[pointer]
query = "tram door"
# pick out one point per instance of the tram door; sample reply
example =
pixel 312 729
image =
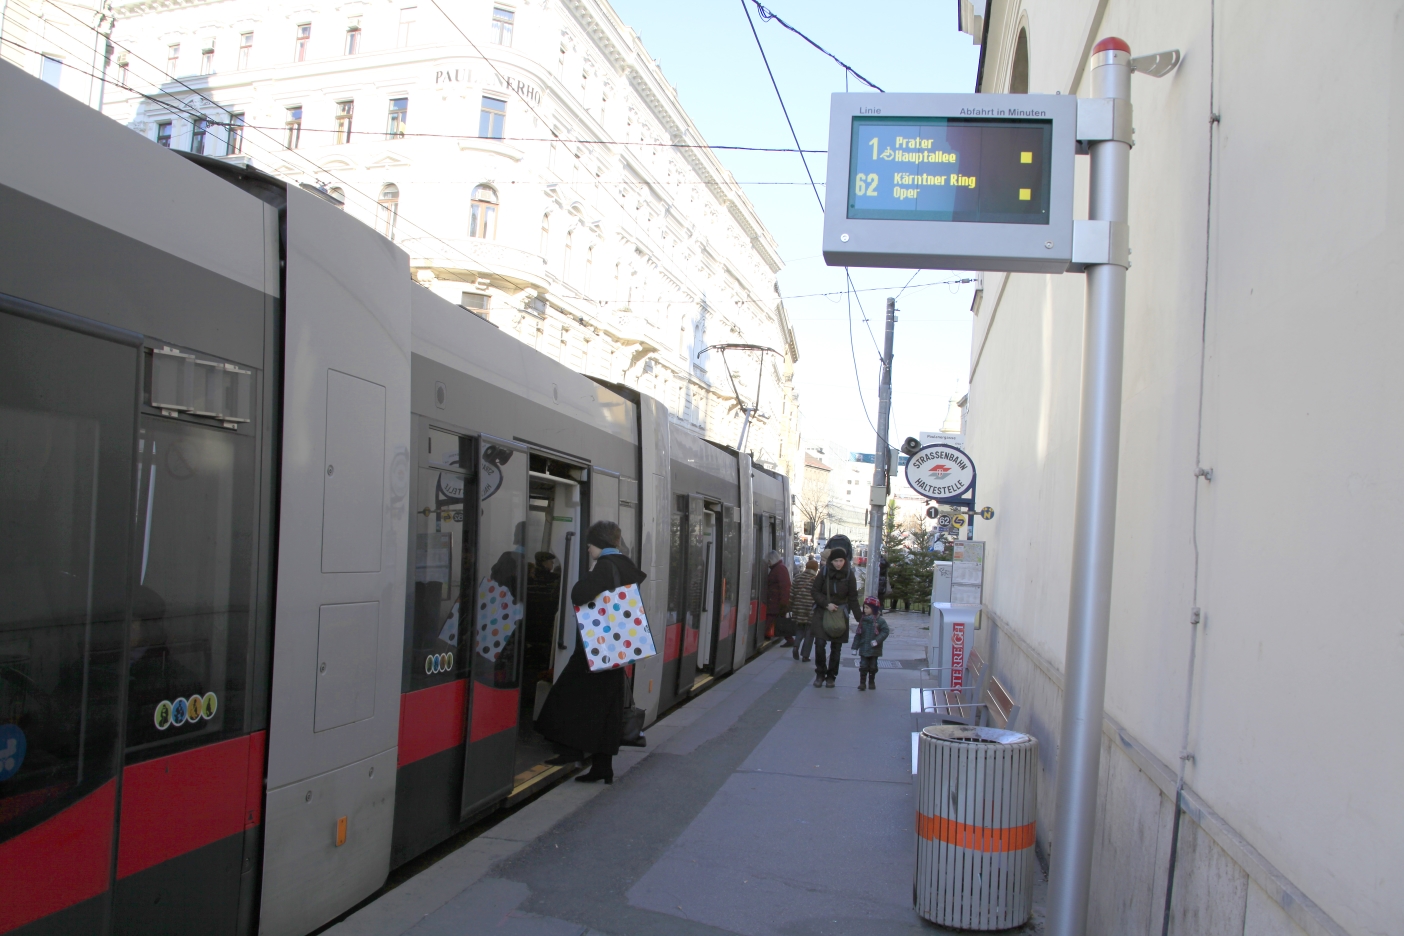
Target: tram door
pixel 127 598
pixel 496 593
pixel 553 546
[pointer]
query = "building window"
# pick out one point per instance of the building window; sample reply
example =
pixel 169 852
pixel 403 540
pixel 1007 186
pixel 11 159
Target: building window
pixel 294 127
pixel 483 220
pixel 344 111
pixel 235 144
pixel 353 36
pixel 399 117
pixel 502 25
pixel 589 267
pixel 51 70
pixel 207 58
pixel 304 36
pixel 172 58
pixel 492 121
pixel 407 17
pixel 545 234
pixel 475 302
pixel 199 129
pixel 163 133
pixel 568 254
pixel 245 49
pixel 389 210
pixel 123 73
pixel 338 196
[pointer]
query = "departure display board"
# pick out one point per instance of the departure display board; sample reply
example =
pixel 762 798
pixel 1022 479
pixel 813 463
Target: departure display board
pixel 951 181
pixel 970 169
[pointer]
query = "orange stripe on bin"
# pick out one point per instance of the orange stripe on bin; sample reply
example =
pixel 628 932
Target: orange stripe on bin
pixel 973 837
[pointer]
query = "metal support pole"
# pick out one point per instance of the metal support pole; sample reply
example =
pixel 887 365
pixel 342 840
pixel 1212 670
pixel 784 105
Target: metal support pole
pixel 1084 688
pixel 880 456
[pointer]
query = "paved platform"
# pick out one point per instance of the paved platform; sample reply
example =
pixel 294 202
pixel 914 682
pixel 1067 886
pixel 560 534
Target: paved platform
pixel 765 807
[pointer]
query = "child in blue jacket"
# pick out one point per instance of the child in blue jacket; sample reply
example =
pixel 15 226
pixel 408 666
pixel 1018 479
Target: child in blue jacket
pixel 868 638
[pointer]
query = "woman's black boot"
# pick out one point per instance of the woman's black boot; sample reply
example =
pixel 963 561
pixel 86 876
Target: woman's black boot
pixel 601 768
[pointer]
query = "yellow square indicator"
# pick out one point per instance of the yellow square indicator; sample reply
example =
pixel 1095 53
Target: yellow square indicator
pixel 1026 157
pixel 1025 194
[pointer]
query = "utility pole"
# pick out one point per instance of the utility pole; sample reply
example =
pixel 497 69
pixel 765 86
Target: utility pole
pixel 878 497
pixel 1094 525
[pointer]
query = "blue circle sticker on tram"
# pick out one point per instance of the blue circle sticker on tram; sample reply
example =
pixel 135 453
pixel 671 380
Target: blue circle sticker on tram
pixel 12 747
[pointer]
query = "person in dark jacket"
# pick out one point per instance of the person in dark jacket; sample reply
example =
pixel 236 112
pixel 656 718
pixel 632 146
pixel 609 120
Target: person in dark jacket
pixel 868 637
pixel 585 711
pixel 777 598
pixel 835 589
pixel 802 607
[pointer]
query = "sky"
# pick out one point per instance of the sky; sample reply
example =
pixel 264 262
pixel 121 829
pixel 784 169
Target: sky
pixel 707 51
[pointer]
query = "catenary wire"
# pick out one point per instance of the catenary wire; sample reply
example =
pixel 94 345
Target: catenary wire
pixel 768 15
pixel 783 109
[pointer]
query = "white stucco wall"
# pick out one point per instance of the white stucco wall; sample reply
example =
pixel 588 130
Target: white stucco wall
pixel 1301 657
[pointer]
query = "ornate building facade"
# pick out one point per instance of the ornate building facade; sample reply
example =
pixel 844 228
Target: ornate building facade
pixel 531 158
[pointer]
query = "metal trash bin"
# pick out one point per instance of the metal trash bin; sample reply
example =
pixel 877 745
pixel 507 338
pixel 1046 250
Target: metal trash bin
pixel 977 801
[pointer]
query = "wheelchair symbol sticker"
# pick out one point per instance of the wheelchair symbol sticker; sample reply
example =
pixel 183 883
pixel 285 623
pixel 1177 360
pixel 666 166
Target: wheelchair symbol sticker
pixel 178 713
pixel 12 748
pixel 162 716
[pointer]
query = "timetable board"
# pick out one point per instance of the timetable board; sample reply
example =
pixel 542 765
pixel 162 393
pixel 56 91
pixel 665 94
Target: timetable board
pixel 951 181
pixel 950 169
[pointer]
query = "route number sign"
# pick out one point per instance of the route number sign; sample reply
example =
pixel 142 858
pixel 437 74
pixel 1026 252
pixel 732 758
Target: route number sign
pixel 951 181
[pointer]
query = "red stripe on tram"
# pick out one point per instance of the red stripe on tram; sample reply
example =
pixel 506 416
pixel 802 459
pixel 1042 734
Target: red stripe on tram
pixel 431 720
pixel 176 804
pixel 60 862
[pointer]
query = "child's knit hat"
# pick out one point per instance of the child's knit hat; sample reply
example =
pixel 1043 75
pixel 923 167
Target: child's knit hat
pixel 874 602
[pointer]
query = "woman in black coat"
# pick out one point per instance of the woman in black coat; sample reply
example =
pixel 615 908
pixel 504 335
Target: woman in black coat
pixel 835 588
pixel 585 711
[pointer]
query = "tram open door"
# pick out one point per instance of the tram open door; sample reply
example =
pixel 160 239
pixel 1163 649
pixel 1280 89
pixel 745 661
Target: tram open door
pixel 553 551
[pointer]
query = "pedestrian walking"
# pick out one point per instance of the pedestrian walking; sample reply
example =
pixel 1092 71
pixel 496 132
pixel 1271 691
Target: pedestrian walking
pixel 777 598
pixel 835 595
pixel 585 711
pixel 869 634
pixel 802 607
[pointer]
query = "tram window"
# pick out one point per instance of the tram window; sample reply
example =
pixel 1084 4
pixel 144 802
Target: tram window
pixel 444 537
pixel 500 592
pixel 194 582
pixel 65 512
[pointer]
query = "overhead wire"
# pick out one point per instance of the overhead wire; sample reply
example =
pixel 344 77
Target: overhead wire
pixel 783 109
pixel 769 15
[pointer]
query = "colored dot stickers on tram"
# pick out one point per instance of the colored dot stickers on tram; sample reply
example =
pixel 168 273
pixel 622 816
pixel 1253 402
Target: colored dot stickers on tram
pixel 185 711
pixel 498 616
pixel 614 629
pixel 12 748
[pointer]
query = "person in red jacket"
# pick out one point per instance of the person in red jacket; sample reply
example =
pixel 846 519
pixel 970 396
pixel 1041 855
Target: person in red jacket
pixel 777 599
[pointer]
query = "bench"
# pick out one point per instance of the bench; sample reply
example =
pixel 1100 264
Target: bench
pixel 946 704
pixel 981 700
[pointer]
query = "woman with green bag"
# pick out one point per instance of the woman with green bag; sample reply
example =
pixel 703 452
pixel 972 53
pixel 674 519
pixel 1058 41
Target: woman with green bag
pixel 835 595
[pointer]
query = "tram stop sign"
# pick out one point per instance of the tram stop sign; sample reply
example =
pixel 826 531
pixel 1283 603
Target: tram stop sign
pixel 951 181
pixel 941 473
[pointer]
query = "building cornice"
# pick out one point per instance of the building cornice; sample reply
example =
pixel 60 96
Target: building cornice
pixel 648 82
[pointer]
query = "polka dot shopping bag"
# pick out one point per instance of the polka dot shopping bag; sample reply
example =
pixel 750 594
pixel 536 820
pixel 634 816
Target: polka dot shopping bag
pixel 614 629
pixel 498 615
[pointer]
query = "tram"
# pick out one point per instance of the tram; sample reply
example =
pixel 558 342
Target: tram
pixel 286 542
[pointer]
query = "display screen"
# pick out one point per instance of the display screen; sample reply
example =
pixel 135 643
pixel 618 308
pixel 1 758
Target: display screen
pixel 988 170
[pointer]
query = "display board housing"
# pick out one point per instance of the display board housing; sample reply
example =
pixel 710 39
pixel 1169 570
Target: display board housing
pixel 951 181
